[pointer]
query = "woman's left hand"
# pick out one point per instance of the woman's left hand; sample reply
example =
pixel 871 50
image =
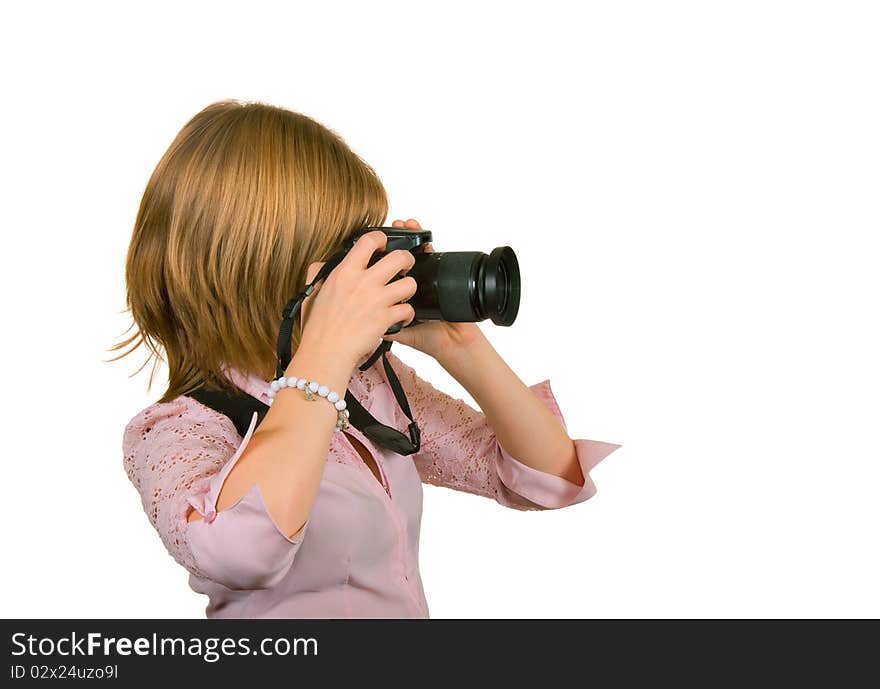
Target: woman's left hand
pixel 435 338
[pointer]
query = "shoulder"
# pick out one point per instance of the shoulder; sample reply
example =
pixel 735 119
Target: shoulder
pixel 182 422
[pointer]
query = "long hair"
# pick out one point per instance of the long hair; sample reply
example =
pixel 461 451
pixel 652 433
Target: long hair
pixel 245 198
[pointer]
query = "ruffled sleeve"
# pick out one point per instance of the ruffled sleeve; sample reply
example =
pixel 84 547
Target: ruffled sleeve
pixel 178 455
pixel 459 449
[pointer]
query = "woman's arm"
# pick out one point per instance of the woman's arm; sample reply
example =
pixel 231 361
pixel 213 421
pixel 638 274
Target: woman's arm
pixel 522 423
pixel 460 449
pixel 287 453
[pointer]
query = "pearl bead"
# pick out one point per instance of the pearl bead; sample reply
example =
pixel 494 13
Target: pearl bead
pixel 331 396
pixel 271 394
pixel 346 413
pixel 274 385
pixel 301 383
pixel 340 404
pixel 323 391
pixel 282 382
pixel 313 386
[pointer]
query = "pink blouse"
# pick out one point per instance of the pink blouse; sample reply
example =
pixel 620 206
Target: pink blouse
pixel 357 554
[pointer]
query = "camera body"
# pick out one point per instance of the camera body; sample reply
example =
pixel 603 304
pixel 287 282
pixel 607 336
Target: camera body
pixel 453 286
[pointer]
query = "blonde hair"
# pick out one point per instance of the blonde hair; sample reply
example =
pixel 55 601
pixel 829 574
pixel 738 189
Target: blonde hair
pixel 245 198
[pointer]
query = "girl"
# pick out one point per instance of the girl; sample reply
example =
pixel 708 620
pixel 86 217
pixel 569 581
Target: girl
pixel 295 519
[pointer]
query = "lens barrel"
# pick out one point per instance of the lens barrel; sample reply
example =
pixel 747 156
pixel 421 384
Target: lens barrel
pixel 466 286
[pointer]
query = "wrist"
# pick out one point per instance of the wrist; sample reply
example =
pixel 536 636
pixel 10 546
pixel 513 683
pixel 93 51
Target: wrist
pixel 316 361
pixel 459 357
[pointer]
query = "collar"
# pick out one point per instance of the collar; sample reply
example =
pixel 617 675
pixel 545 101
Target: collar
pixel 251 384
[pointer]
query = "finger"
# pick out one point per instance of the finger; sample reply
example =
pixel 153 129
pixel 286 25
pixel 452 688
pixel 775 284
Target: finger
pixel 401 312
pixel 400 290
pixel 413 224
pixel 398 223
pixel 392 263
pixel 367 244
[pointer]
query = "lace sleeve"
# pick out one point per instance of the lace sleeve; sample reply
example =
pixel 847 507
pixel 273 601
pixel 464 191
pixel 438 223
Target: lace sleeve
pixel 177 454
pixel 459 449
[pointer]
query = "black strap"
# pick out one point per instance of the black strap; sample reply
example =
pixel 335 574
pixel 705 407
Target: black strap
pixel 396 388
pixel 292 308
pixel 240 408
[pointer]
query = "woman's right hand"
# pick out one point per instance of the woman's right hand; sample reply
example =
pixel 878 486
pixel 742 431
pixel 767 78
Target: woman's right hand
pixel 349 311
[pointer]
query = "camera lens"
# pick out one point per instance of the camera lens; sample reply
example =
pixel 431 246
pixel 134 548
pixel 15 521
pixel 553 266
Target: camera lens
pixel 501 290
pixel 467 286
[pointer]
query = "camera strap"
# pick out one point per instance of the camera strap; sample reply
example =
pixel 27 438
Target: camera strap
pixel 240 408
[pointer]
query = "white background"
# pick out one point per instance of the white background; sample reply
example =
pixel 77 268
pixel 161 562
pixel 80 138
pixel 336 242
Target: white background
pixel 691 189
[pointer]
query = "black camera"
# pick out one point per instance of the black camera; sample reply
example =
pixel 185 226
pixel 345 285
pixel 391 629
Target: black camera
pixel 454 286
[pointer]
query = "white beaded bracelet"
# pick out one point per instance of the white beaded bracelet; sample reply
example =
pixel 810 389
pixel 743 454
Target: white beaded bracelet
pixel 311 387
